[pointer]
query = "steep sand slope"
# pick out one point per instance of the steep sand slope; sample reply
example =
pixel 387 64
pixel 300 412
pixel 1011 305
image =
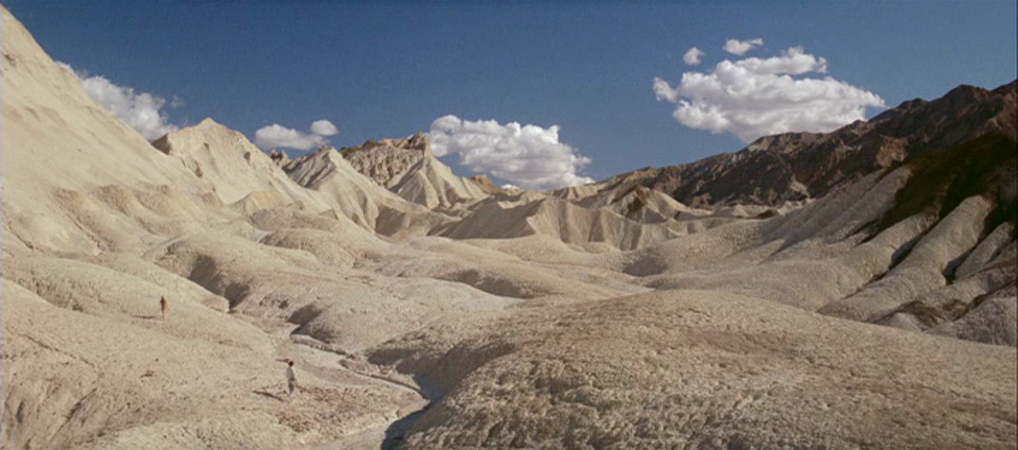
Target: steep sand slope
pixel 365 202
pixel 432 184
pixel 56 139
pixel 232 164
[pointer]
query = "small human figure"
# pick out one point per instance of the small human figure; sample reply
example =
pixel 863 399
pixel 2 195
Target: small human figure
pixel 291 377
pixel 163 306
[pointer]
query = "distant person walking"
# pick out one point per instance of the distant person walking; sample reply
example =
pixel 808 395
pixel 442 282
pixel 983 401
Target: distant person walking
pixel 163 306
pixel 291 378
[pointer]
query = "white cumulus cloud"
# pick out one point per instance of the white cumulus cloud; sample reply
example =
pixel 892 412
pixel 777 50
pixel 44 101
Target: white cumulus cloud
pixel 528 156
pixel 323 128
pixel 692 57
pixel 139 110
pixel 737 47
pixel 276 135
pixel 754 97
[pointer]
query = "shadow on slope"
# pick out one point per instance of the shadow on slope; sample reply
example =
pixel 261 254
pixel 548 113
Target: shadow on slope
pixel 944 178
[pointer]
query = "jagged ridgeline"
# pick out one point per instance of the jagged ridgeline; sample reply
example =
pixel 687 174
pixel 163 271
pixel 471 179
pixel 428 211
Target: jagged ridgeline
pixel 854 289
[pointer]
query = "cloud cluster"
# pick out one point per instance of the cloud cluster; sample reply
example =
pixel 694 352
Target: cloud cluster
pixel 139 110
pixel 692 57
pixel 323 128
pixel 276 135
pixel 737 47
pixel 528 156
pixel 754 97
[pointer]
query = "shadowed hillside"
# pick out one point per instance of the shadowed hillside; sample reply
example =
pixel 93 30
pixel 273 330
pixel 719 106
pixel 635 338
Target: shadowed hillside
pixel 796 166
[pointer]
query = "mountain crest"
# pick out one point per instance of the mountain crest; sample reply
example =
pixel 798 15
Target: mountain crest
pixel 798 166
pixel 387 160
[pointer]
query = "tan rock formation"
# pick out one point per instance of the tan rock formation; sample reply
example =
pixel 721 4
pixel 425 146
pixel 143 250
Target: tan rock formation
pixel 386 161
pixel 486 184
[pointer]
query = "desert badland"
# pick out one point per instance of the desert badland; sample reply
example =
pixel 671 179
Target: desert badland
pixel 845 290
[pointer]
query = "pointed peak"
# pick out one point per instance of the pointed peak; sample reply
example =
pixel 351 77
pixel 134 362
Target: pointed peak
pixel 905 107
pixel 420 140
pixel 966 93
pixel 207 134
pixel 326 154
pixel 204 127
pixel 210 125
pixel 324 151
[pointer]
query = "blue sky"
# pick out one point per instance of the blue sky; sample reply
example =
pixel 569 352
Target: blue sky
pixel 378 70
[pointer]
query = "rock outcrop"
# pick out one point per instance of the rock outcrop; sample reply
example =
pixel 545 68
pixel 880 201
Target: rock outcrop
pixel 409 168
pixel 386 161
pixel 486 184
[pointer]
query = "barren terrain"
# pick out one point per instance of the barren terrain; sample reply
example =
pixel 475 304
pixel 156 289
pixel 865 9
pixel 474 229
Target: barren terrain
pixel 876 309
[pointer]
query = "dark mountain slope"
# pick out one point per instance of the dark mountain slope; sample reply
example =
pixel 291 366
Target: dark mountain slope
pixel 797 166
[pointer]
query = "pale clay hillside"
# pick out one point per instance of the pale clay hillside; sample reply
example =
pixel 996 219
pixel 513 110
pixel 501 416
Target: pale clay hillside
pixel 428 311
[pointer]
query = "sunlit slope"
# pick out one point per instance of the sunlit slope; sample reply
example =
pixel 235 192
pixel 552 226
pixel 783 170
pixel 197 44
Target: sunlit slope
pixel 57 141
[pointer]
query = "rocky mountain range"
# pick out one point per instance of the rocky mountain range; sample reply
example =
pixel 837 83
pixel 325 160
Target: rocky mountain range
pixel 848 290
pixel 798 166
